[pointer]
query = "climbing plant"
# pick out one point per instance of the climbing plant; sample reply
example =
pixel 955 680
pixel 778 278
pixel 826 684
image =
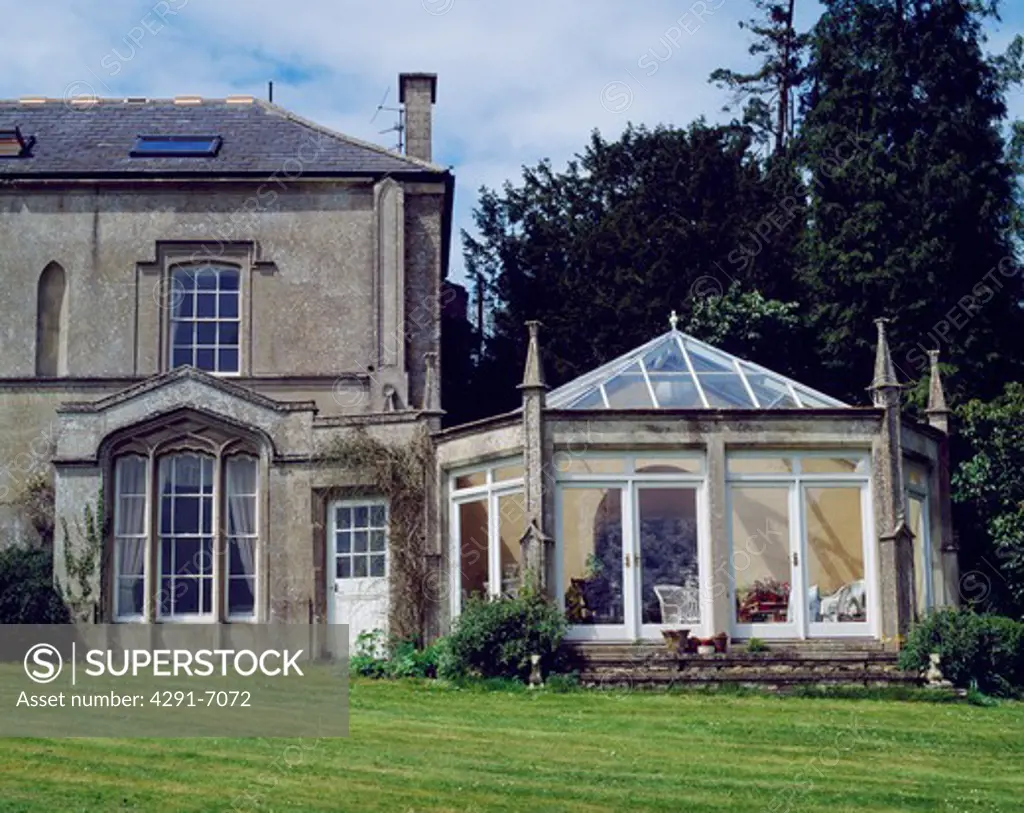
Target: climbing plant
pixel 398 472
pixel 82 552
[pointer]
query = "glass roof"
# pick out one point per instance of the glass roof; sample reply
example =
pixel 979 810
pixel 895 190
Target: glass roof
pixel 676 371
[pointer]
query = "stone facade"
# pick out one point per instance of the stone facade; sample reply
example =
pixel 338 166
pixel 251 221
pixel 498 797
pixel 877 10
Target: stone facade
pixel 340 253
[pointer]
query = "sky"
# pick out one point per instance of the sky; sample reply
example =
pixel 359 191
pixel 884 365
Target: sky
pixel 517 81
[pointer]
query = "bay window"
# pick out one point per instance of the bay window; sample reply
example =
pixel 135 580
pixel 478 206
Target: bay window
pixel 185 536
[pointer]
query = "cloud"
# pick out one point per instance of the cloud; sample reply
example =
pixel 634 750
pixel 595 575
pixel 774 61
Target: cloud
pixel 517 81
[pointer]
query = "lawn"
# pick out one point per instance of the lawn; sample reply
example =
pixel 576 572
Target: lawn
pixel 418 747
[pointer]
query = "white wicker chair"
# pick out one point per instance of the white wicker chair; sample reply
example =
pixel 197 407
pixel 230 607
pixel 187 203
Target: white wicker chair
pixel 679 604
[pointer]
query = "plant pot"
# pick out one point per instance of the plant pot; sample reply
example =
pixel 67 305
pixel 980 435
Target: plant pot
pixel 676 641
pixel 722 643
pixel 706 649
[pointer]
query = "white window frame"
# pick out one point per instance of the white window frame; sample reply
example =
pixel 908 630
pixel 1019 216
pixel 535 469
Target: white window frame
pixel 176 294
pixel 797 481
pixel 118 536
pixel 369 503
pixel 630 481
pixel 922 492
pixel 153 568
pixel 227 537
pixel 490 492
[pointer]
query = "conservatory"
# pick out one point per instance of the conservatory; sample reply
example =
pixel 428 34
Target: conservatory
pixel 679 486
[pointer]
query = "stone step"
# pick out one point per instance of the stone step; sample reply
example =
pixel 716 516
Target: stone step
pixel 665 678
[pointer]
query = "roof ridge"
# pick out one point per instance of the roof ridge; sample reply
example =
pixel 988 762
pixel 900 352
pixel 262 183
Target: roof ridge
pixel 358 142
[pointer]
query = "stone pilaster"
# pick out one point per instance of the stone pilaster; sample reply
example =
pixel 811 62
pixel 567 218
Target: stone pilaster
pixel 938 416
pixel 719 587
pixel 536 543
pixel 895 541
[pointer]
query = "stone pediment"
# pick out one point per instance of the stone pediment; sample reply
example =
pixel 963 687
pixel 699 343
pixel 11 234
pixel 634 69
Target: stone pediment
pixel 83 426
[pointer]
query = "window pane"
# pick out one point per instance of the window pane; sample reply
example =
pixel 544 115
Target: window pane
pixel 377 566
pixel 360 541
pixel 240 596
pixel 182 303
pixel 591 400
pixel 206 332
pixel 705 360
pixel 229 306
pixel 592 549
pixel 833 465
pixel 916 521
pixel 343 517
pixel 206 279
pixel 835 555
pixel 229 279
pixel 344 567
pixel 473 547
pixel 675 391
pixel 360 516
pixel 187 557
pixel 772 393
pixel 227 333
pixel 206 306
pixel 186 515
pixel 760 465
pixel 476 478
pixel 377 540
pixel 359 569
pixel 181 356
pixel 183 333
pixel 725 390
pixel 205 359
pixel 761 561
pixel 206 596
pixel 186 596
pixel 511 528
pixel 670 592
pixel 130 596
pixel 166 595
pixel 628 390
pixel 567 463
pixel 508 473
pixel 378 516
pixel 669 465
pixel 227 361
pixel 344 541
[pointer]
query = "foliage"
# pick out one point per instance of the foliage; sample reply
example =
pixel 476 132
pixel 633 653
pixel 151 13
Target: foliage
pixel 989 485
pixel 911 194
pixel 376 658
pixel 82 553
pixel 27 591
pixel 399 473
pixel 975 650
pixel 755 645
pixel 37 500
pixel 631 229
pixel 494 638
pixel 769 93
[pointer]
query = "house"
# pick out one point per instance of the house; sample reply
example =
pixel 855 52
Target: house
pixel 202 298
pixel 199 296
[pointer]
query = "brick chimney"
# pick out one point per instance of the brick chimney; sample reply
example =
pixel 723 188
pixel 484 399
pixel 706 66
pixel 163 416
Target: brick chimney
pixel 418 93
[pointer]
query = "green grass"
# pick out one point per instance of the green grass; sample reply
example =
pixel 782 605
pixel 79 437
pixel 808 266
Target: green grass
pixel 423 747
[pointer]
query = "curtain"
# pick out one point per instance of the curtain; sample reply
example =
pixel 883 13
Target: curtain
pixel 241 493
pixel 130 522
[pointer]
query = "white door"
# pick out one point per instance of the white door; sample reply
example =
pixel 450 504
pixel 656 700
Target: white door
pixel 358 567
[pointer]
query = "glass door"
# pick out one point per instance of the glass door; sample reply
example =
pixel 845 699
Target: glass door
pixel 765 562
pixel 834 525
pixel 667 576
pixel 593 562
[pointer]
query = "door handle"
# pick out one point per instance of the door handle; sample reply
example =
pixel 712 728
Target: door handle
pixel 629 562
pixel 796 560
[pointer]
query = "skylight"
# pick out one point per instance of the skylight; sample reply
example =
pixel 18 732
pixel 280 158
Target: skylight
pixel 176 146
pixel 13 144
pixel 676 371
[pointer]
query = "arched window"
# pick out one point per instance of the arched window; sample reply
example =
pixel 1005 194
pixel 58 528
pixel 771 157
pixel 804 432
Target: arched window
pixel 186 525
pixel 50 339
pixel 205 318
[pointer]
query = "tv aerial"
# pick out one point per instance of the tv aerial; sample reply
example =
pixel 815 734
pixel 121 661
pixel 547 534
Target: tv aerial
pixel 399 125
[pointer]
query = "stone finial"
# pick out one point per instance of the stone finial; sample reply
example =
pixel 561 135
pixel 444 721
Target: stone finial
pixel 938 412
pixel 431 385
pixel 673 320
pixel 884 386
pixel 533 374
pixel 390 398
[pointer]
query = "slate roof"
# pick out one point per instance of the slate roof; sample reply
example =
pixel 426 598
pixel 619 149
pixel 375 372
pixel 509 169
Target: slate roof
pixel 74 140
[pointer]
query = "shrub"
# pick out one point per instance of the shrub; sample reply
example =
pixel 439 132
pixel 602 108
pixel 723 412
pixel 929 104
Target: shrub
pixel 981 651
pixel 494 638
pixel 397 658
pixel 27 593
pixel 755 645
